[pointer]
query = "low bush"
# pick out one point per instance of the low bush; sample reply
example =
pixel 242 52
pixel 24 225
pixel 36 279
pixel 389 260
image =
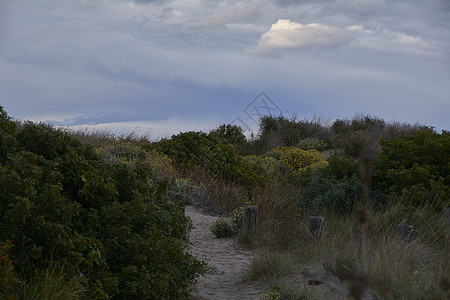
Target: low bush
pixel 336 186
pixel 294 159
pixel 268 264
pixel 312 144
pixel 221 228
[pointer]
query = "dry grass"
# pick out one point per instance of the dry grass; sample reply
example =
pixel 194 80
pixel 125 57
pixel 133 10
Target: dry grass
pixel 364 250
pixel 52 283
pixel 270 265
pixel 377 259
pixel 102 138
pixel 222 197
pixel 278 215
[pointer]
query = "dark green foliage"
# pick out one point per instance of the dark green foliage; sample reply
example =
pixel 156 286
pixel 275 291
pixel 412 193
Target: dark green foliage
pixel 336 186
pixel 117 233
pixel 193 150
pixel 7 131
pixel 419 161
pixel 190 150
pixel 221 228
pixel 234 135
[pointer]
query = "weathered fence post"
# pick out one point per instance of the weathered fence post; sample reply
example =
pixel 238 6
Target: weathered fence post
pixel 249 221
pixel 315 226
pixel 404 230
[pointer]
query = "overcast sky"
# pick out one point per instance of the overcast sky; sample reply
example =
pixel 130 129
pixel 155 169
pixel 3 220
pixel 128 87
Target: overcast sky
pixel 167 66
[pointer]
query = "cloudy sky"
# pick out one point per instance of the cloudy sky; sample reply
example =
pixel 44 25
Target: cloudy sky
pixel 161 67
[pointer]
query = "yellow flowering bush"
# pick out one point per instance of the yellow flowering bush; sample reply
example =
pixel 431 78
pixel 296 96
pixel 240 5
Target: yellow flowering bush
pixel 272 294
pixel 236 217
pixel 294 159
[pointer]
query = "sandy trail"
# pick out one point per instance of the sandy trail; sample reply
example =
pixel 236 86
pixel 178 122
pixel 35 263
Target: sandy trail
pixel 229 257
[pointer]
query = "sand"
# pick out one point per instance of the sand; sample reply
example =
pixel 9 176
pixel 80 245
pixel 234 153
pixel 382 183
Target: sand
pixel 230 258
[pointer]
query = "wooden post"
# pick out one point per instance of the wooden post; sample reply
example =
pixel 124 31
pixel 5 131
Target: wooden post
pixel 404 230
pixel 249 221
pixel 315 226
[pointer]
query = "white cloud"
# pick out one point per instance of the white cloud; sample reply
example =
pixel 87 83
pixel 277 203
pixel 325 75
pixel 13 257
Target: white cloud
pixel 286 34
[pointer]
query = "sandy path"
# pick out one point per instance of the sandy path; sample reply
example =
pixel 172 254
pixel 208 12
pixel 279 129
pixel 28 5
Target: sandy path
pixel 229 257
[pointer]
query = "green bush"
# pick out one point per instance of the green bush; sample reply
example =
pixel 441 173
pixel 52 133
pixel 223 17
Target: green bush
pixel 294 159
pixel 131 154
pixel 190 150
pixel 236 219
pixel 312 144
pixel 108 223
pixel 197 150
pixel 419 161
pixel 234 135
pixel 221 228
pixel 336 185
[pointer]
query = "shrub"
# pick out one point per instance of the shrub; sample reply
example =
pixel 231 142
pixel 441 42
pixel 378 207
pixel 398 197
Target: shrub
pixel 294 159
pixel 418 161
pixel 236 219
pixel 221 228
pixel 336 185
pixel 234 135
pixel 312 144
pixel 191 151
pixel 108 223
pixel 281 131
pixel 322 193
pixel 131 154
pixel 269 164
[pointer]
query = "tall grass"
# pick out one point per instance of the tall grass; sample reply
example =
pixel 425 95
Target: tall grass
pixel 103 138
pixel 270 265
pixel 362 249
pixel 278 214
pixel 54 282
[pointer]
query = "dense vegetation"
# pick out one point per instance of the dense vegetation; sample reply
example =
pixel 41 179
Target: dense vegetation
pixel 111 216
pixel 107 222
